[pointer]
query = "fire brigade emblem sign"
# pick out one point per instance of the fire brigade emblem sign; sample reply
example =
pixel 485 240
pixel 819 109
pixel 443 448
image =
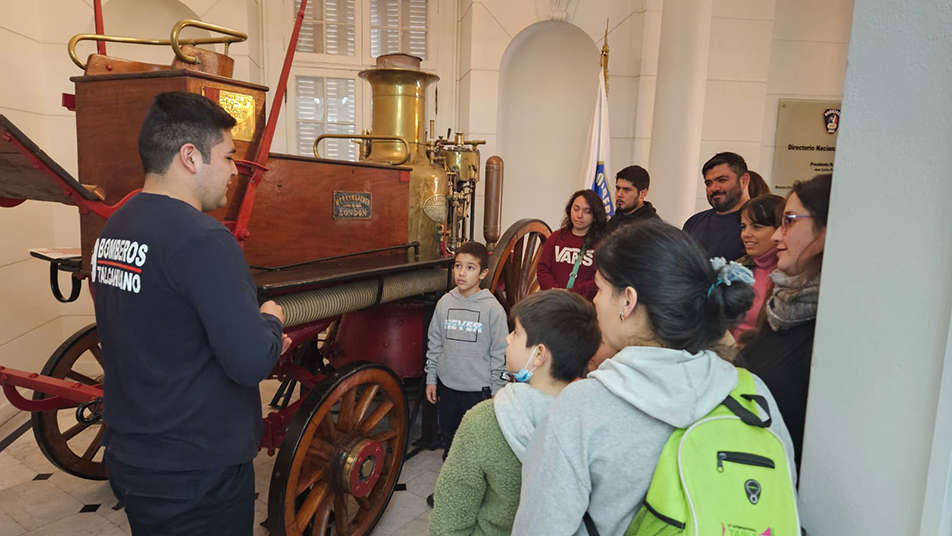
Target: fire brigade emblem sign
pixel 831 117
pixel 352 205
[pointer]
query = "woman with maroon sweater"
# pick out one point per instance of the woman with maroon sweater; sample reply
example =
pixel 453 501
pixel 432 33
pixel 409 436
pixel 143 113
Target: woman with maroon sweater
pixel 568 257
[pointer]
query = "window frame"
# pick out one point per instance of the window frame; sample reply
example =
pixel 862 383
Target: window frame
pixel 291 104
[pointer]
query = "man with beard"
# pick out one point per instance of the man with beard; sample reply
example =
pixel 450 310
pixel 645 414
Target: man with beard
pixel 631 188
pixel 718 230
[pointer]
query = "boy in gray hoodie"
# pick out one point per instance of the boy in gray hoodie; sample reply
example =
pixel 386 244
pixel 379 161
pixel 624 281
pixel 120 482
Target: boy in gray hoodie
pixel 555 335
pixel 466 352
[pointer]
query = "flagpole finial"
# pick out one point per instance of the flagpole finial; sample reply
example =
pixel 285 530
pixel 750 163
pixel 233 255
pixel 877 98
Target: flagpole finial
pixel 604 57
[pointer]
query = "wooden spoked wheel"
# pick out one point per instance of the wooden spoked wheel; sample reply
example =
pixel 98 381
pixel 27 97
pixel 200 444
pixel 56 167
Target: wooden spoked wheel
pixel 342 455
pixel 512 266
pixel 69 444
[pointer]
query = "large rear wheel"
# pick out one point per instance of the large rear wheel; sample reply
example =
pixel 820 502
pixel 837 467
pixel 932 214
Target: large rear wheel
pixel 513 264
pixel 342 454
pixel 70 444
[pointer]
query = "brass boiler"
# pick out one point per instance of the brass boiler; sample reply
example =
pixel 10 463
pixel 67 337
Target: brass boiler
pixel 399 110
pixel 460 159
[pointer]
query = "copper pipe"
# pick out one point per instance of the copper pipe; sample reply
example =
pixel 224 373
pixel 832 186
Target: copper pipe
pixel 492 210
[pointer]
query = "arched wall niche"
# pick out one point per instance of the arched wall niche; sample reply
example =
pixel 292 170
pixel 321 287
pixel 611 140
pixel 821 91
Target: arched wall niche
pixel 547 89
pixel 150 20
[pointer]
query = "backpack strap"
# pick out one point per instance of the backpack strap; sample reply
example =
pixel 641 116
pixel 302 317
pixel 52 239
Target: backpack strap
pixel 745 382
pixel 590 525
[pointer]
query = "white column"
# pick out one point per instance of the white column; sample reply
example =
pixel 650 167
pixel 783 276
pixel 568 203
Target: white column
pixel 679 107
pixel 876 452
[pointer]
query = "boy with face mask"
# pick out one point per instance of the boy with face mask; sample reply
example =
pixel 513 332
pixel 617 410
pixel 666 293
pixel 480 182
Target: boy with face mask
pixel 555 334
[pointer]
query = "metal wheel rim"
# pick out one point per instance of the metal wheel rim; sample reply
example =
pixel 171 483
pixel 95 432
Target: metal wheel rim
pixel 514 261
pixel 303 494
pixel 52 439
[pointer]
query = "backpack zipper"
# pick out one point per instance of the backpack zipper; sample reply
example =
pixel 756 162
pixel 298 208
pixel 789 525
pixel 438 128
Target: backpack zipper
pixel 742 458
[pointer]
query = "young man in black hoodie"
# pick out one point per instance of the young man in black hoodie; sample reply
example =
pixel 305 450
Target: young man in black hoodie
pixel 631 188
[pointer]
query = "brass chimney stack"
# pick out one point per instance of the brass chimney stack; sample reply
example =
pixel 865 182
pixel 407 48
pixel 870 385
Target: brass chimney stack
pixel 399 110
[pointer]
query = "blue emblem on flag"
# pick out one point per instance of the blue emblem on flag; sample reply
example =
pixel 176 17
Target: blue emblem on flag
pixel 601 188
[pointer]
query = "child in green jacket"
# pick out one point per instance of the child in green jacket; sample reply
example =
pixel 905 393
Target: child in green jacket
pixel 555 335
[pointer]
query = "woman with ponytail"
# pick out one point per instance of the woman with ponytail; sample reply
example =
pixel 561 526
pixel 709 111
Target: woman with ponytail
pixel 665 308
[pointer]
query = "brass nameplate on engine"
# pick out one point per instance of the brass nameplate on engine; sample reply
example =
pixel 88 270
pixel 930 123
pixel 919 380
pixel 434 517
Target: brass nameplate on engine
pixel 352 205
pixel 239 106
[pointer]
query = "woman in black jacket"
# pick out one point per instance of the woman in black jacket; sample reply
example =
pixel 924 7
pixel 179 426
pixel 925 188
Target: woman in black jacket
pixel 782 350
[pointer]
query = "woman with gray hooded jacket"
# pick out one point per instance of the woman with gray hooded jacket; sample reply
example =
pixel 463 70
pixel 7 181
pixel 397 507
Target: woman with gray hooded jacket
pixel 663 305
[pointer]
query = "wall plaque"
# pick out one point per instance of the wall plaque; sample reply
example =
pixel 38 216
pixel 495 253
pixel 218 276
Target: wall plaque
pixel 352 205
pixel 806 141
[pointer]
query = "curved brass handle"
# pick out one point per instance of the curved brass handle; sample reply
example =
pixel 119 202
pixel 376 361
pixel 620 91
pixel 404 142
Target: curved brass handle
pixel 232 37
pixel 406 146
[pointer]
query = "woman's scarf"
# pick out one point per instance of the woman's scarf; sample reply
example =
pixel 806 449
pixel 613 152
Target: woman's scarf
pixel 794 300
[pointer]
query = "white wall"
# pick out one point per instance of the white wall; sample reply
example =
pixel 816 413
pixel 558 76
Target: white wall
pixel 548 84
pixel 883 329
pixel 487 28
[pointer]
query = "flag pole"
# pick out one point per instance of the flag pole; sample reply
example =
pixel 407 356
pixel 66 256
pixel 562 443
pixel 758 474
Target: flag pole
pixel 604 57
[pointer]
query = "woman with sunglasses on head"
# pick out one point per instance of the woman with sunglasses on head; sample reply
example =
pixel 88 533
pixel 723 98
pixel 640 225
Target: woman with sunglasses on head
pixel 568 256
pixel 781 352
pixel 759 220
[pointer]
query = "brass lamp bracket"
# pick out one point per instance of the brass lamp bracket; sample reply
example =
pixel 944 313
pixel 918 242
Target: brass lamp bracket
pixel 369 137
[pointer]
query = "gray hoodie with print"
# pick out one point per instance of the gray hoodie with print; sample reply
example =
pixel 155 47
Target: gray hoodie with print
pixel 597 448
pixel 467 342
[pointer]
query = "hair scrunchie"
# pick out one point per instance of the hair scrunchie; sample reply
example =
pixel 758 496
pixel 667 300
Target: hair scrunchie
pixel 729 272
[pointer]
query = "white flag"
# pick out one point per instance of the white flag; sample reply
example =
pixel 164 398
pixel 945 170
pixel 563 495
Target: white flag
pixel 597 158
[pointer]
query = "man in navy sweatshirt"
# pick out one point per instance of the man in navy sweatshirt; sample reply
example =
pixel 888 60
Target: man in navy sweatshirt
pixel 184 340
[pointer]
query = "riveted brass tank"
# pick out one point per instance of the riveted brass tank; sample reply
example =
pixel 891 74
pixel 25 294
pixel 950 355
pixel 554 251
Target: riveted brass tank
pixel 399 109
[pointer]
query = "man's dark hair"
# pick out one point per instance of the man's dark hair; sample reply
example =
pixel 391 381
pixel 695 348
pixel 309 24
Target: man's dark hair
pixel 566 324
pixel 733 160
pixel 476 250
pixel 177 118
pixel 636 175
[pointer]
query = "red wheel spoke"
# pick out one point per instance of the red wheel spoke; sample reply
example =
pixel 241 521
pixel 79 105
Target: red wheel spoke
pixel 363 405
pixel 345 421
pixel 364 503
pixel 341 515
pixel 310 506
pixel 310 477
pixel 384 436
pixel 74 431
pixel 82 378
pixel 326 428
pixel 97 353
pixel 374 419
pixel 323 518
pixel 95 445
pixel 320 450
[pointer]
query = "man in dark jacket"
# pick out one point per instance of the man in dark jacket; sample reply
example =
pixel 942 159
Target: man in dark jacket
pixel 631 188
pixel 184 341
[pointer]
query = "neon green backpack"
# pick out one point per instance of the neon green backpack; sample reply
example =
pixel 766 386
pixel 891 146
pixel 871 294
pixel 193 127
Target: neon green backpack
pixel 725 475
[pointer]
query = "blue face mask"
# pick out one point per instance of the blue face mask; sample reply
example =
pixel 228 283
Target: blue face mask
pixel 524 374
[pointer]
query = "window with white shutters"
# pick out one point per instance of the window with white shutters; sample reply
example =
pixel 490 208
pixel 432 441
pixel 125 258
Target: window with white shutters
pixel 328 27
pixel 326 106
pixel 398 26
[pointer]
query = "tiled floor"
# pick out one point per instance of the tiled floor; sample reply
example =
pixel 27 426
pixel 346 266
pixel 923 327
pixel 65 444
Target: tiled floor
pixel 36 499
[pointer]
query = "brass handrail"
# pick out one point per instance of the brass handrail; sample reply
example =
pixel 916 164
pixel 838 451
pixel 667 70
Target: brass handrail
pixel 232 36
pixel 236 37
pixel 406 146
